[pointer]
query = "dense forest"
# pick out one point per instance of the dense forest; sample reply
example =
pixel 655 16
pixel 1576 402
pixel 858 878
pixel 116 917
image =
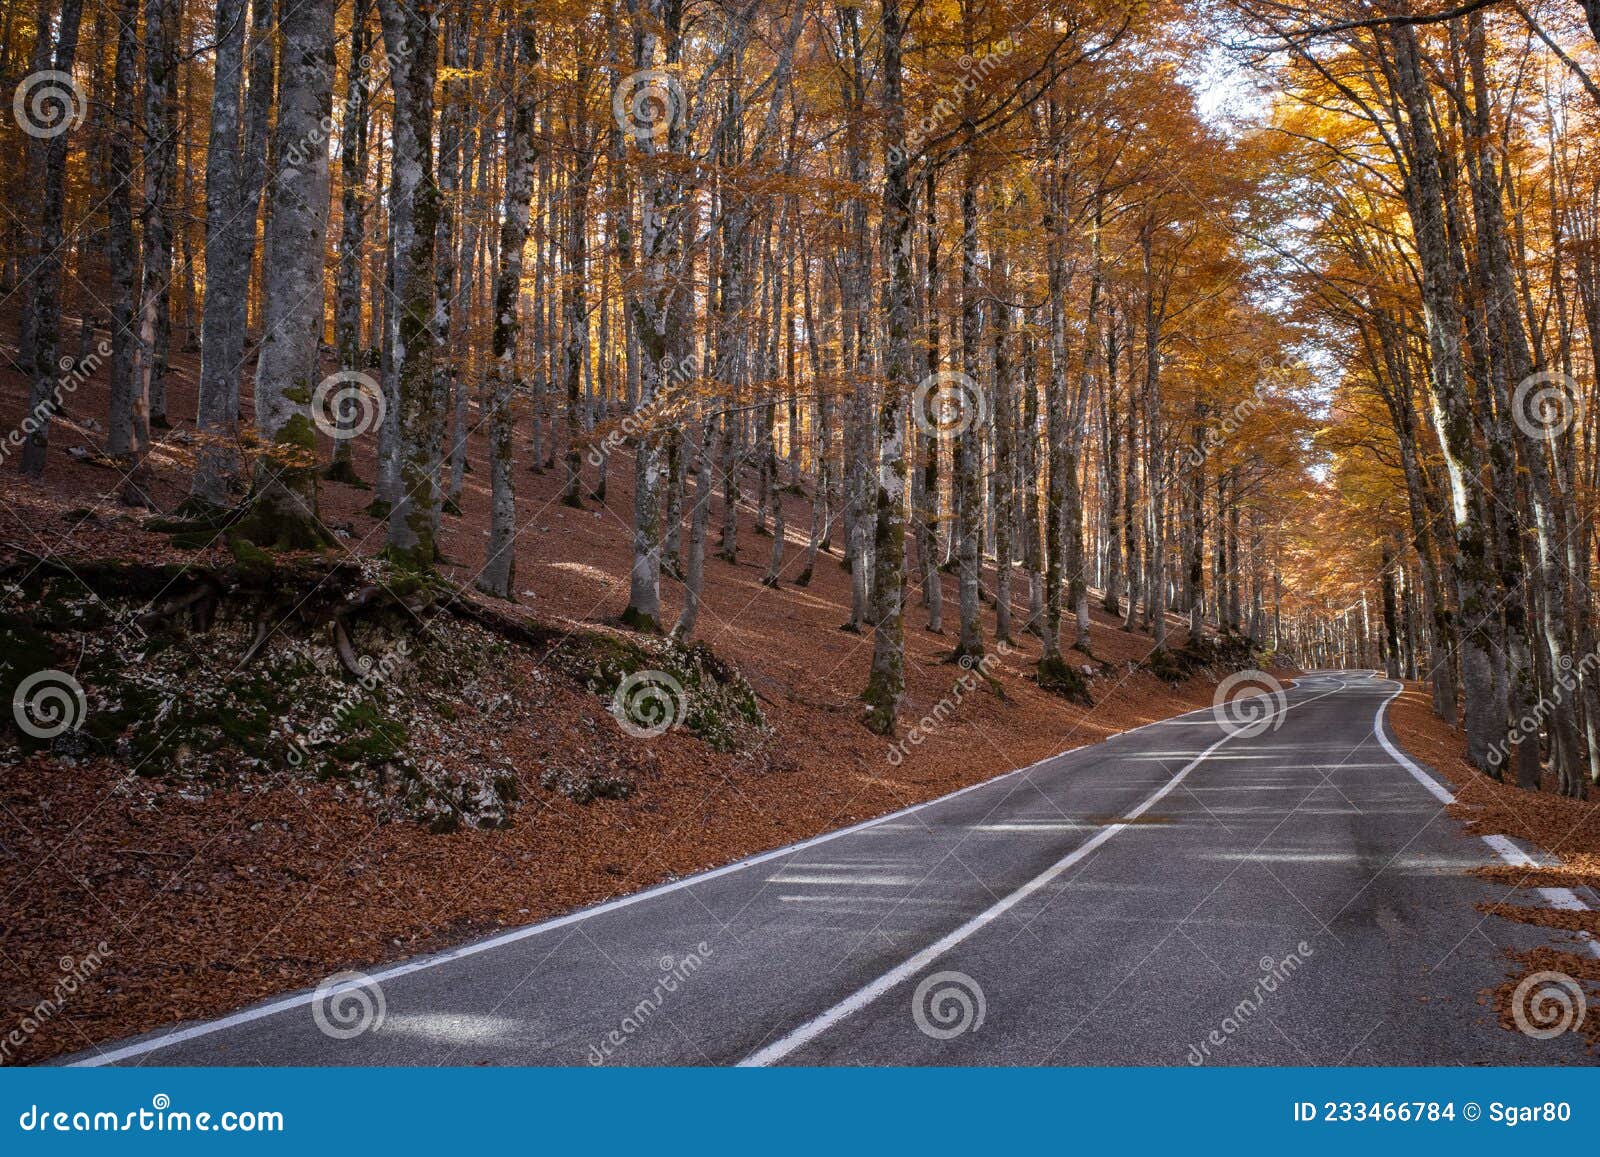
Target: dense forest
pixel 1252 324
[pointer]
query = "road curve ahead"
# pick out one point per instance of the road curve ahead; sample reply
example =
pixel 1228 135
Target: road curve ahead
pixel 1190 892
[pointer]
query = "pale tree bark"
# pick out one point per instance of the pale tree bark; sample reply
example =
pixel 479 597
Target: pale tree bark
pixel 1077 561
pixel 1111 473
pixel 217 414
pixel 498 576
pixel 1478 635
pixel 821 445
pixel 574 293
pixel 660 311
pixel 409 33
pixel 159 165
pixel 1051 664
pixel 285 510
pixel 1005 449
pixel 1155 532
pixel 1032 527
pixel 928 524
pixel 477 280
pixel 966 475
pixel 447 287
pixel 698 520
pixel 352 235
pixel 886 682
pixel 777 320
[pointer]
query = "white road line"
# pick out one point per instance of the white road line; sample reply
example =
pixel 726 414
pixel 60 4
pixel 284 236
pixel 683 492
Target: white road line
pixel 902 972
pixel 1561 898
pixel 421 963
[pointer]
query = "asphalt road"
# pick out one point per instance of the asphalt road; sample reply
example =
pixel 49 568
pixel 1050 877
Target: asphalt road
pixel 1179 894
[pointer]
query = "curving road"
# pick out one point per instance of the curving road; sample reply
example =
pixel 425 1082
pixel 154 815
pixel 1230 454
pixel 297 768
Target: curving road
pixel 1195 891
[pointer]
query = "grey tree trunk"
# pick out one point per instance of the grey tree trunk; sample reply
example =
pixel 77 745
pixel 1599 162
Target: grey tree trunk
pixel 966 475
pixel 886 681
pixel 352 236
pixel 217 414
pixel 43 398
pixel 683 630
pixel 285 511
pixel 128 420
pixel 1479 634
pixel 160 161
pixel 410 33
pixel 498 576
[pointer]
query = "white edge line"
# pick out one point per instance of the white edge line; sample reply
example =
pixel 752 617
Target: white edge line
pixel 856 1001
pixel 433 960
pixel 1563 899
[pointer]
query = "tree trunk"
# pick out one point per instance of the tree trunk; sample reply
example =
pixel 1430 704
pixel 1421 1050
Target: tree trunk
pixel 499 574
pixel 285 512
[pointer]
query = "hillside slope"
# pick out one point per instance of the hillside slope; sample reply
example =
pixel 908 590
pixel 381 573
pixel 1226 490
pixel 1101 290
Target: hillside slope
pixel 200 866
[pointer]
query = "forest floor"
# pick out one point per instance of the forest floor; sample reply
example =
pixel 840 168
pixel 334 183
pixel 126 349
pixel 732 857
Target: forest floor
pixel 186 896
pixel 1566 830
